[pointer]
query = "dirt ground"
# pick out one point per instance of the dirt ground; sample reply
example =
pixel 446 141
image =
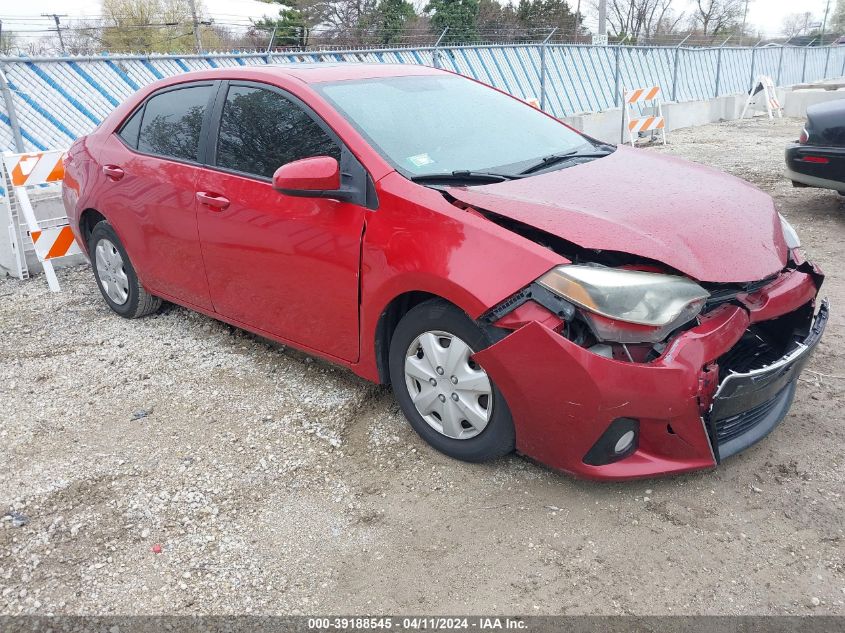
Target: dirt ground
pixel 274 483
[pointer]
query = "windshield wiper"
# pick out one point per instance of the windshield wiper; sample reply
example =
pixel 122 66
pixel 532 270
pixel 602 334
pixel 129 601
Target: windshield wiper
pixel 464 175
pixel 554 159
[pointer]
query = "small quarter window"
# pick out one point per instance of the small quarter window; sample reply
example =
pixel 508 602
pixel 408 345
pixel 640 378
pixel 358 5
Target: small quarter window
pixel 129 130
pixel 173 122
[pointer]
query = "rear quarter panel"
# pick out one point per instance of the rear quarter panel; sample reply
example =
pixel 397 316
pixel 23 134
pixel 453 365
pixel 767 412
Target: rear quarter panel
pixel 82 180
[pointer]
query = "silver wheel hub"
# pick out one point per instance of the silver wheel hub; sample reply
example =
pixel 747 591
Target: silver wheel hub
pixel 111 272
pixel 450 391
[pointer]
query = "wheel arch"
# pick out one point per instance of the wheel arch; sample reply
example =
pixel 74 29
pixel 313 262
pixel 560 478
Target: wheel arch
pixel 389 318
pixel 88 219
pixel 397 308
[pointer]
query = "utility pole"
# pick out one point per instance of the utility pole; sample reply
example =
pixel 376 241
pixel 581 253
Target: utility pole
pixel 57 18
pixel 602 17
pixel 824 22
pixel 197 35
pixel 744 18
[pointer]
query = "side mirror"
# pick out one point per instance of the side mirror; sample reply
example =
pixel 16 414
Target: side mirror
pixel 315 177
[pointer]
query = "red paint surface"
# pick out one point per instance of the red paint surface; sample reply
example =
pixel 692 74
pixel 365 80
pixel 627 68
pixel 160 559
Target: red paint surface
pixel 706 224
pixel 320 173
pixel 319 273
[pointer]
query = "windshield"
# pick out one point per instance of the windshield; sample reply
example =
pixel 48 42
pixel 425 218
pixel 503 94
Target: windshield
pixel 441 124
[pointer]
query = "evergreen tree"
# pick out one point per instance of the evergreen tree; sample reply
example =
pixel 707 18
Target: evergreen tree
pixel 541 14
pixel 390 19
pixel 461 16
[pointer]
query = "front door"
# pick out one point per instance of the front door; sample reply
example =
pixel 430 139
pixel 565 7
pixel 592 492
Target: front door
pixel 287 266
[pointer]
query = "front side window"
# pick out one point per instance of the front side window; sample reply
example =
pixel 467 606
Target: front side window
pixel 439 124
pixel 260 130
pixel 173 122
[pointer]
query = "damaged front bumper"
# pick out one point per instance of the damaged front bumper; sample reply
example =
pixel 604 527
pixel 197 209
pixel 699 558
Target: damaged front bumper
pixel 567 401
pixel 747 406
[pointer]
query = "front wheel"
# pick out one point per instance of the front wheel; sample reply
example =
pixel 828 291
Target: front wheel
pixel 116 276
pixel 449 400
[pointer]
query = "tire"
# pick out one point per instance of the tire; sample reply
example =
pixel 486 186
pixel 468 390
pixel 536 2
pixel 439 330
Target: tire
pixel 441 319
pixel 115 275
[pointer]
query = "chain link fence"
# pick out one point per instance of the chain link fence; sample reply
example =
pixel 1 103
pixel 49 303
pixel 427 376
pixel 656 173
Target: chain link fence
pixel 58 99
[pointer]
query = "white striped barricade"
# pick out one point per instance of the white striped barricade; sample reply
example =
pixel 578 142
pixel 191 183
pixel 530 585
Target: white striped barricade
pixel 766 85
pixel 39 168
pixel 637 101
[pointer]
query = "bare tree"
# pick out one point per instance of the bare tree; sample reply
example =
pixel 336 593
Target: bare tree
pixel 7 43
pixel 714 17
pixel 796 24
pixel 147 25
pixel 838 19
pixel 347 18
pixel 641 18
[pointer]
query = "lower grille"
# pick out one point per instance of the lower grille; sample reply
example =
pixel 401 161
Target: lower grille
pixel 751 352
pixel 758 377
pixel 736 425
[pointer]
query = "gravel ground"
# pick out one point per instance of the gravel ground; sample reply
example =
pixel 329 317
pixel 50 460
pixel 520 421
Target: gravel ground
pixel 176 465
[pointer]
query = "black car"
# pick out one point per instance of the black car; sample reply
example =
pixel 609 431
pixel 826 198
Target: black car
pixel 818 158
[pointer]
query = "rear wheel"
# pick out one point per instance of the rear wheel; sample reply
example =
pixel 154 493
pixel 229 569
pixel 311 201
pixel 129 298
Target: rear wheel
pixel 447 397
pixel 116 276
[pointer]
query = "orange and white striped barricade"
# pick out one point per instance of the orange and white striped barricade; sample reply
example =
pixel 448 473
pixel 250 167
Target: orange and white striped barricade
pixel 27 170
pixel 637 121
pixel 765 85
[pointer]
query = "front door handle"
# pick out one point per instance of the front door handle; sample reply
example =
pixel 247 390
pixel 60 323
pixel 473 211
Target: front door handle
pixel 113 172
pixel 213 201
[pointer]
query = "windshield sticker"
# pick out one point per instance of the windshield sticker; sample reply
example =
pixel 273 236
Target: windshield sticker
pixel 420 160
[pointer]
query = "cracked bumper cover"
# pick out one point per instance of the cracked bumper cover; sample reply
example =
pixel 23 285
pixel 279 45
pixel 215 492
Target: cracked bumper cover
pixel 563 397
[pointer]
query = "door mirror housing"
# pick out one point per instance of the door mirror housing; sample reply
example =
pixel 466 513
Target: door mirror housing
pixel 315 177
pixel 323 177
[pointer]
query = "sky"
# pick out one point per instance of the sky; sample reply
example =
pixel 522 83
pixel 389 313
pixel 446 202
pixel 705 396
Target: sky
pixel 765 15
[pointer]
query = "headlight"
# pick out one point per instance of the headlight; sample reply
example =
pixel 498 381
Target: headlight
pixel 648 305
pixel 789 235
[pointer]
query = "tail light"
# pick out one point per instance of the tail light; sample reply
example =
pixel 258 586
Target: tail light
pixel 805 136
pixel 814 159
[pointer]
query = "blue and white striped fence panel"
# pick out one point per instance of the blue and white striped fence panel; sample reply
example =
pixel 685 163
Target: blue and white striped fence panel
pixel 58 100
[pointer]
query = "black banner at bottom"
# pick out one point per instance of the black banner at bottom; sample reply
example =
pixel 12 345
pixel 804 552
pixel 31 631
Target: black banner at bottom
pixel 411 623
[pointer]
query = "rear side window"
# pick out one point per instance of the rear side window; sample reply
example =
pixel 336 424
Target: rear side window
pixel 130 129
pixel 173 121
pixel 260 130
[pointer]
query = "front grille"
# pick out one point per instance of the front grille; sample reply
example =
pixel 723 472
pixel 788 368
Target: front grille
pixel 731 427
pixel 751 352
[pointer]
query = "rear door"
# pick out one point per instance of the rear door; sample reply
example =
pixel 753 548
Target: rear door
pixel 287 266
pixel 150 168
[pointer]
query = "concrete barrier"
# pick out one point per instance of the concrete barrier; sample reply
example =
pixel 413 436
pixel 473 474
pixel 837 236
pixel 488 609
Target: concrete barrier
pixel 607 126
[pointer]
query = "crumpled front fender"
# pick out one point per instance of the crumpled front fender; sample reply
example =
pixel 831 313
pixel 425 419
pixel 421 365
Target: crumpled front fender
pixel 563 397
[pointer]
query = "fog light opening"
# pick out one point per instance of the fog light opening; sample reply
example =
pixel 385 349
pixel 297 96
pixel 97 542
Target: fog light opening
pixel 619 440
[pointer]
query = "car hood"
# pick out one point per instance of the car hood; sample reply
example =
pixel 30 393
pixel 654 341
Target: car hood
pixel 706 224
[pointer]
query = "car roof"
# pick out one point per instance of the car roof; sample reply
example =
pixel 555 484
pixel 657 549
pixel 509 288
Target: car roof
pixel 317 72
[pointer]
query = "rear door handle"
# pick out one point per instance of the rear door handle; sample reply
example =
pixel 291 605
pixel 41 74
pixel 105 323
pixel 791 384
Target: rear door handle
pixel 213 201
pixel 113 172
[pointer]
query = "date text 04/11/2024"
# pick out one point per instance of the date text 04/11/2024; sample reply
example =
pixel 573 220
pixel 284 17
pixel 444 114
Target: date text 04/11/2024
pixel 417 623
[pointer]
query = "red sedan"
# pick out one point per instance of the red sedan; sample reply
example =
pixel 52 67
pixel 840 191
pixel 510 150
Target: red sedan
pixel 610 312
